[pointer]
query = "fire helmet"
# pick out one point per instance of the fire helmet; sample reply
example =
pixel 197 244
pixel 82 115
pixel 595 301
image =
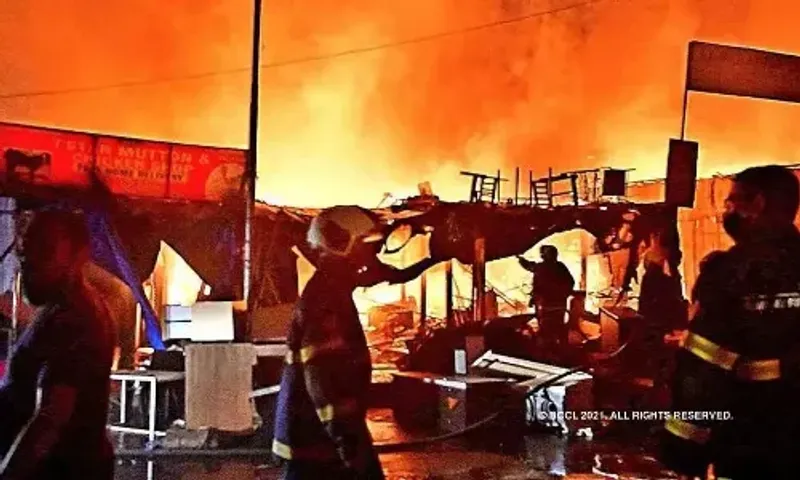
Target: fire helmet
pixel 337 230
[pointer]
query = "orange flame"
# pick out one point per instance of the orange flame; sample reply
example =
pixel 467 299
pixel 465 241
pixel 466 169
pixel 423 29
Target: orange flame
pixel 593 85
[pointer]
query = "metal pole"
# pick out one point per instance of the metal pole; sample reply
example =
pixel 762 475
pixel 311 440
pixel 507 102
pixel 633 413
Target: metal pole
pixel 584 260
pixel 252 163
pixel 423 300
pixel 137 334
pixel 448 299
pixel 530 187
pixel 683 117
pixel 497 188
pixel 686 93
pixel 16 294
pixel 479 281
pixel 516 186
pixel 403 257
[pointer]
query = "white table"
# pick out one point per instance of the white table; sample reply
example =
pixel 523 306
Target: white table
pixel 154 378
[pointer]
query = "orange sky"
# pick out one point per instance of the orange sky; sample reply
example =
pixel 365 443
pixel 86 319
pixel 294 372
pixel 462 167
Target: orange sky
pixel 595 85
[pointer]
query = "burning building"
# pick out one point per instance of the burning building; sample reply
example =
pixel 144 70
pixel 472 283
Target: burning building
pixel 364 99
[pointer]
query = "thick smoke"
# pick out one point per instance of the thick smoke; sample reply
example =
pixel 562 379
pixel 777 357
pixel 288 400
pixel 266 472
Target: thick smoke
pixel 595 85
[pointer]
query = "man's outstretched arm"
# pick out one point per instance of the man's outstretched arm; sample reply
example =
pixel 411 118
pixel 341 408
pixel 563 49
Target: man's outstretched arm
pixel 526 264
pixel 387 273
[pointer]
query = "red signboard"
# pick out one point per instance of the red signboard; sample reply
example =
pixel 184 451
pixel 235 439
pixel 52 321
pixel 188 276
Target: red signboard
pixel 130 167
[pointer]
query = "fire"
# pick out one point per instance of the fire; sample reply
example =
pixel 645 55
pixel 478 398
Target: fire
pixel 505 277
pixel 594 85
pixel 182 283
pixel 392 94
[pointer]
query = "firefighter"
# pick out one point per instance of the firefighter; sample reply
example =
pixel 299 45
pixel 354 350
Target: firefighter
pixel 320 426
pixel 552 286
pixel 738 368
pixel 663 310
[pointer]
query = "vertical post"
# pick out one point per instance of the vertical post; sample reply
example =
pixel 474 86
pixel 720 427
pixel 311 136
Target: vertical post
pixel 403 292
pixel 683 115
pixel 423 300
pixel 16 294
pixel 550 187
pixel 448 298
pixel 574 183
pixel 516 186
pixel 530 186
pixel 252 162
pixel 686 92
pixel 497 188
pixel 584 281
pixel 479 281
pixel 137 332
pixel 473 189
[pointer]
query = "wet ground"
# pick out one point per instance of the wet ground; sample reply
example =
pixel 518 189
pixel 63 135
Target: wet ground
pixel 622 455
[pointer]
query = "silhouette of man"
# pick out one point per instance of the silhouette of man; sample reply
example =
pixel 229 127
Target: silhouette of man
pixel 67 352
pixel 552 286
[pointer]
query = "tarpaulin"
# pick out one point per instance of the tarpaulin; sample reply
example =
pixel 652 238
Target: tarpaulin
pixel 208 236
pixel 274 265
pixel 108 253
pixel 211 246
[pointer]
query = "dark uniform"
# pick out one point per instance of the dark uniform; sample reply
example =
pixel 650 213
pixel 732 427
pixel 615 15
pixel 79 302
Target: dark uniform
pixel 322 405
pixel 69 343
pixel 663 309
pixel 552 286
pixel 741 356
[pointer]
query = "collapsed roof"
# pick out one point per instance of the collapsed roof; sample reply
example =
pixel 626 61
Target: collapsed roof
pixel 508 230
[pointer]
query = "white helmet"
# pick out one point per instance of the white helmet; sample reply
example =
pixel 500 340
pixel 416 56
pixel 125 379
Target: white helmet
pixel 336 230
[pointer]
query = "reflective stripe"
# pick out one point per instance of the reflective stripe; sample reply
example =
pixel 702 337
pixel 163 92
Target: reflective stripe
pixel 317 452
pixel 688 431
pixel 307 353
pixel 282 450
pixel 301 356
pixel 754 370
pixel 709 351
pixel 342 409
pixel 759 370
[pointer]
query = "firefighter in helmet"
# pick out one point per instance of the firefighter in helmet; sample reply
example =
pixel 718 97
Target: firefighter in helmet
pixel 735 390
pixel 320 426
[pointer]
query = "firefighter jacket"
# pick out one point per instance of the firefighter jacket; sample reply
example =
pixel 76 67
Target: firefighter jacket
pixel 735 389
pixel 322 404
